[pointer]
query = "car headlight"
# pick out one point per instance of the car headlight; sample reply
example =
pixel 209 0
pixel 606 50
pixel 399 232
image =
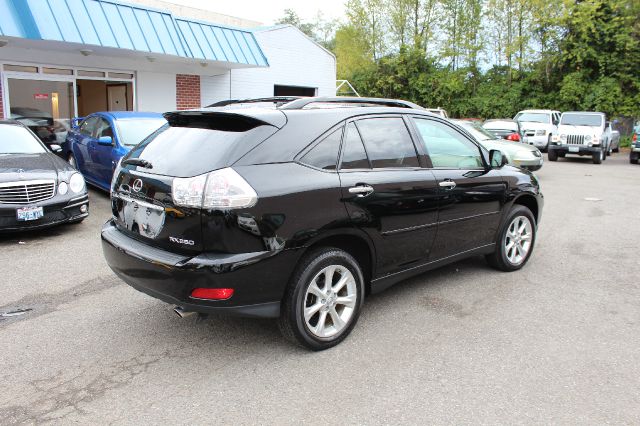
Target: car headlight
pixel 62 188
pixel 76 183
pixel 587 138
pixel 563 137
pixel 541 132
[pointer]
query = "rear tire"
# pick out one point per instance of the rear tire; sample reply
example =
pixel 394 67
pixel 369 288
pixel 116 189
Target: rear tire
pixel 515 241
pixel 552 154
pixel 617 149
pixel 633 159
pixel 317 315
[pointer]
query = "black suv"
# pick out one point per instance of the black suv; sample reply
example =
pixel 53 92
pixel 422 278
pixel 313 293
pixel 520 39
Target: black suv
pixel 297 209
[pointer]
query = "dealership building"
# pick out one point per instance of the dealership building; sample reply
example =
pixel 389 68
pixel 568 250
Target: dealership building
pixel 69 58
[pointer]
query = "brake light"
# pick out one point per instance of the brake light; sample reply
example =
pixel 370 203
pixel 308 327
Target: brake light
pixel 514 137
pixel 634 138
pixel 212 293
pixel 221 189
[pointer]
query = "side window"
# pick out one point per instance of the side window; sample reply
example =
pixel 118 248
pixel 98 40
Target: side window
pixel 388 142
pixel 88 126
pixel 325 154
pixel 447 147
pixel 103 128
pixel 353 154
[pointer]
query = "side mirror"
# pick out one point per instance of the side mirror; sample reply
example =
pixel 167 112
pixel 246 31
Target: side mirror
pixel 55 148
pixel 105 141
pixel 497 159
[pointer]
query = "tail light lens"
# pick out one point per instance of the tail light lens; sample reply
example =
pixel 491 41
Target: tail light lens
pixel 212 293
pixel 514 137
pixel 221 189
pixel 634 138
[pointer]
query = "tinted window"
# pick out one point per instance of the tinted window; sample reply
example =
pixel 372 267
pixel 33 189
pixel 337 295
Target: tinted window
pixel 447 147
pixel 388 142
pixel 132 132
pixel 18 140
pixel 353 154
pixel 191 151
pixel 88 126
pixel 325 154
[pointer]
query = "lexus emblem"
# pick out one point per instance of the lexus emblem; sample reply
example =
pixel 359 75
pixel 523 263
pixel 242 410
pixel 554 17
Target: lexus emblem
pixel 137 185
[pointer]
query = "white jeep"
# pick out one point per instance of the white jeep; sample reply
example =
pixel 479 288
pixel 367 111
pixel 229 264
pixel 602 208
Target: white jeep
pixel 582 133
pixel 538 126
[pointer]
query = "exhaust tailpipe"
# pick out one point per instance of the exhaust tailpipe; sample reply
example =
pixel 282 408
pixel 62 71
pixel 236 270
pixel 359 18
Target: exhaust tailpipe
pixel 182 313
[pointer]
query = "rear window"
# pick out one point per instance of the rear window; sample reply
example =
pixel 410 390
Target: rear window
pixel 192 150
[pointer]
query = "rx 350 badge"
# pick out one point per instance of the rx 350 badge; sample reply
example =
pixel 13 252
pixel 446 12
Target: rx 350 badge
pixel 182 241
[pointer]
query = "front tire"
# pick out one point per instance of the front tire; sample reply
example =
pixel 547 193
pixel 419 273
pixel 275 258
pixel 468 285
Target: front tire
pixel 323 300
pixel 598 157
pixel 552 154
pixel 515 240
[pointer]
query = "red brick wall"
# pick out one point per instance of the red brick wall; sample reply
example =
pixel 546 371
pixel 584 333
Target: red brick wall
pixel 187 91
pixel 1 100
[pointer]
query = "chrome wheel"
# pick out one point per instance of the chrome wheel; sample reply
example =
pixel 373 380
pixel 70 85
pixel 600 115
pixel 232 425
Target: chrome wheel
pixel 330 301
pixel 517 241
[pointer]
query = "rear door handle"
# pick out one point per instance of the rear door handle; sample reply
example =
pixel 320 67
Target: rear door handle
pixel 448 184
pixel 361 190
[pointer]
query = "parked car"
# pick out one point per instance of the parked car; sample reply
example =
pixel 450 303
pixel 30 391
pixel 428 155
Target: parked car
pixel 98 142
pixel 37 188
pixel 281 212
pixel 518 154
pixel 505 128
pixel 635 148
pixel 582 133
pixel 539 126
pixel 615 141
pixel 438 111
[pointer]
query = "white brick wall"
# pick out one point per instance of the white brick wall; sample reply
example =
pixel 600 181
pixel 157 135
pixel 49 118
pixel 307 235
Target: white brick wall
pixel 294 60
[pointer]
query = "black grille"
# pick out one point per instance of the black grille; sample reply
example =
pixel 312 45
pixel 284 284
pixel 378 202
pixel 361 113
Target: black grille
pixel 27 192
pixel 575 139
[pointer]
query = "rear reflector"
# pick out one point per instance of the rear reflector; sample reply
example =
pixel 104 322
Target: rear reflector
pixel 212 293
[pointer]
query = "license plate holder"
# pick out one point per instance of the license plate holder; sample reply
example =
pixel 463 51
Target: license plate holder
pixel 25 214
pixel 574 149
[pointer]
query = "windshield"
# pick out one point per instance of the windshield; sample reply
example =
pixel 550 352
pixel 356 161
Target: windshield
pixel 581 119
pixel 133 131
pixel 534 117
pixel 18 140
pixel 477 131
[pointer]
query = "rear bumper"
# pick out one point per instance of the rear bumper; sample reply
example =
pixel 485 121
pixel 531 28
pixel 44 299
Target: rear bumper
pixel 258 279
pixel 56 212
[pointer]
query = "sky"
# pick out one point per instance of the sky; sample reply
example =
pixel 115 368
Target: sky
pixel 267 11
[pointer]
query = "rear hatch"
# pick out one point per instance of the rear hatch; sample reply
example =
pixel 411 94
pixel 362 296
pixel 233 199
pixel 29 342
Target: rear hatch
pixel 192 144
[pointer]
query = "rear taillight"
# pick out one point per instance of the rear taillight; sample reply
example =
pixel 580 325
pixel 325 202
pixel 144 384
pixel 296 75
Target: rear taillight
pixel 634 138
pixel 212 293
pixel 514 137
pixel 221 189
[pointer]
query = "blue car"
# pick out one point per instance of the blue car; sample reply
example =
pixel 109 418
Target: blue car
pixel 95 145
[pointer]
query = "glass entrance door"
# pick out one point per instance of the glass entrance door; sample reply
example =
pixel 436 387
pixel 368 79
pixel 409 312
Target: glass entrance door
pixel 45 106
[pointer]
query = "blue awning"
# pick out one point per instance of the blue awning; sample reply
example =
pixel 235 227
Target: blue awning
pixel 109 23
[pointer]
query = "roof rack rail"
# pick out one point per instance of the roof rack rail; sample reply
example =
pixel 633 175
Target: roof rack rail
pixel 303 102
pixel 275 99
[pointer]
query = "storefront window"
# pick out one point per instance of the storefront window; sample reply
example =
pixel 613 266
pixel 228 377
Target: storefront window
pixel 46 107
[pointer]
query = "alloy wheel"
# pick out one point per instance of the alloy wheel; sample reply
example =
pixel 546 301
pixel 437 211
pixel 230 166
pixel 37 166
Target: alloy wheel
pixel 518 239
pixel 330 301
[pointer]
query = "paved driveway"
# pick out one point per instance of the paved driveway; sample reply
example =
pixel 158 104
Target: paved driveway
pixel 558 342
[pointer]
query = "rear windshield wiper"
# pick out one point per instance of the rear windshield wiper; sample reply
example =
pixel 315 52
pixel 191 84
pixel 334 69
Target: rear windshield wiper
pixel 138 162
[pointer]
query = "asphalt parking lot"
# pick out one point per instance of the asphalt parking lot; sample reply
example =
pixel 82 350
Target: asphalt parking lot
pixel 557 342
